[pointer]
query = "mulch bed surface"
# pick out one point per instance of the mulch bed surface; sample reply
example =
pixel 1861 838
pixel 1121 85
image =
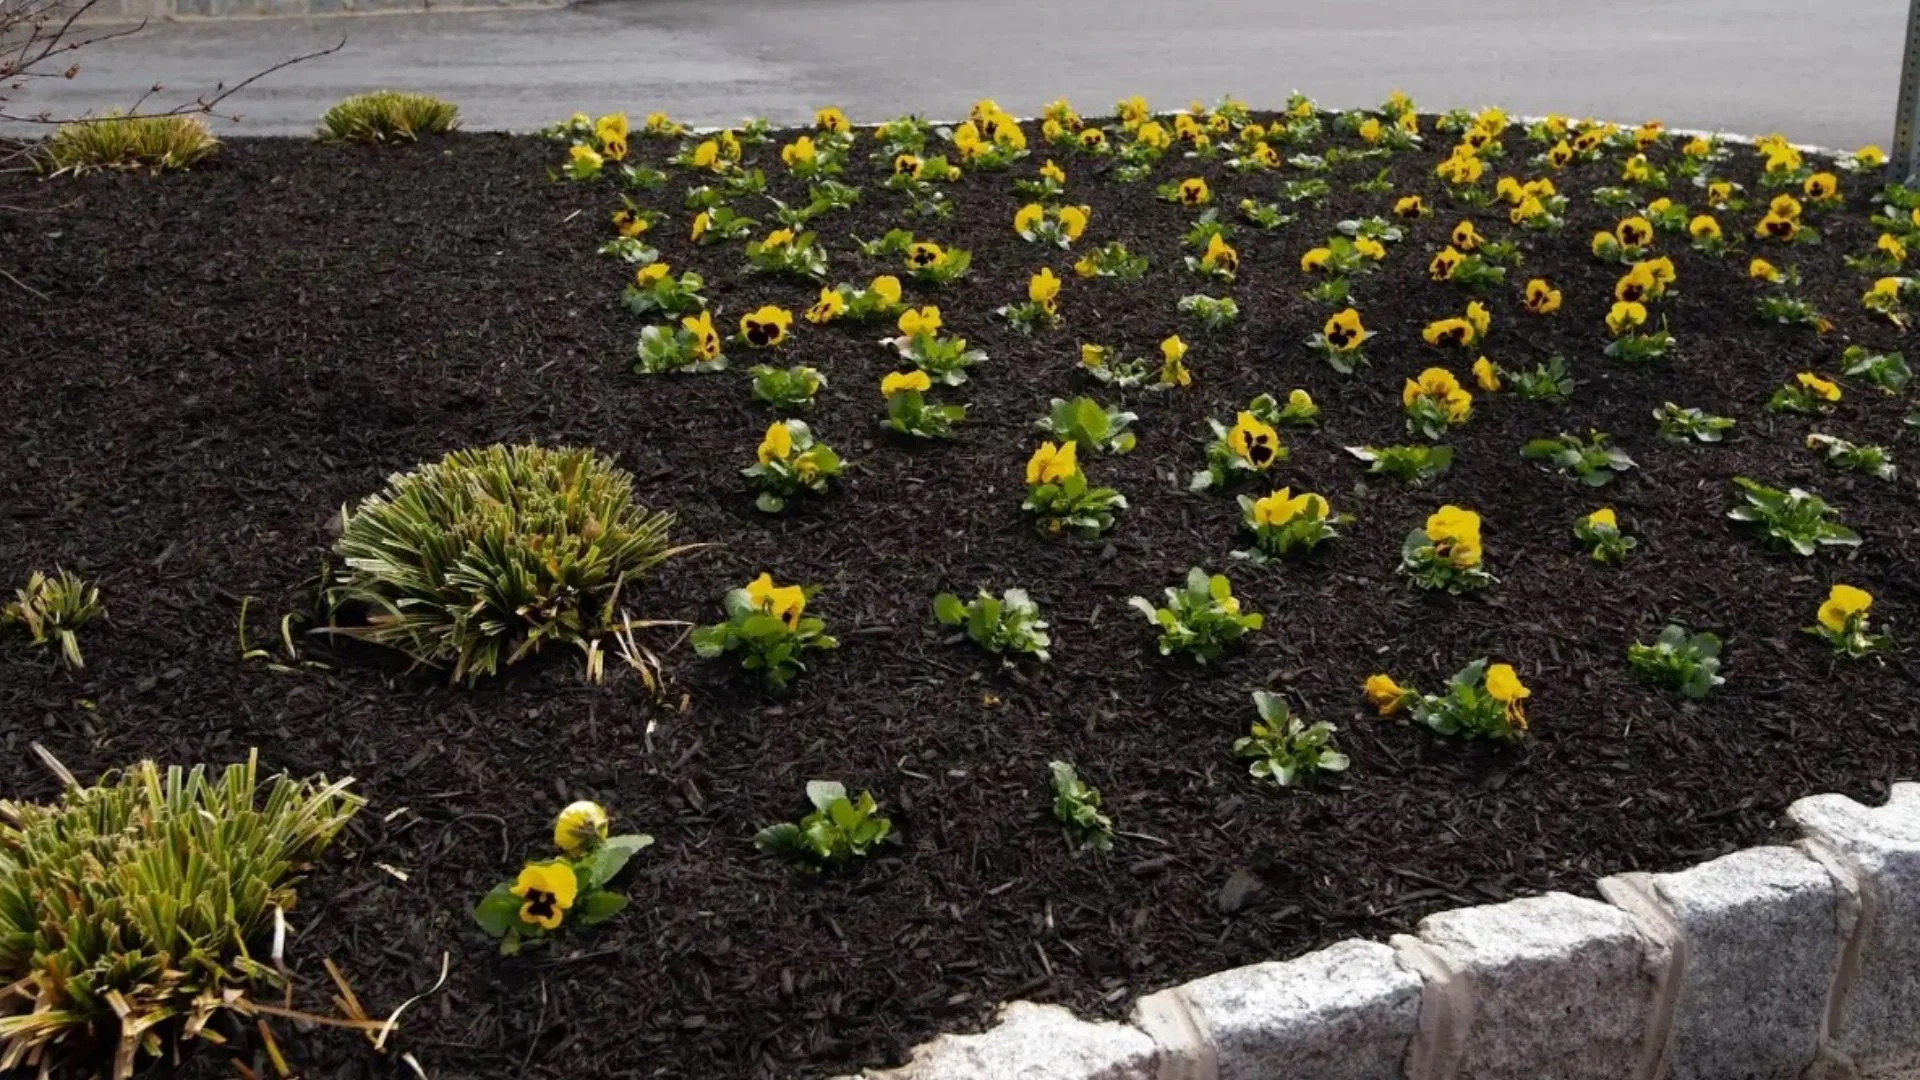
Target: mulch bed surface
pixel 228 357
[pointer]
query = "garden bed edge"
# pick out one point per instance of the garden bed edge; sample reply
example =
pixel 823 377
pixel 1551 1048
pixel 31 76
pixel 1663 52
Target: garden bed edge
pixel 1780 961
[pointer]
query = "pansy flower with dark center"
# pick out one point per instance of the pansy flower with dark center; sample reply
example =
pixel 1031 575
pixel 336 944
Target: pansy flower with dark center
pixel 924 254
pixel 767 327
pixel 546 891
pixel 1343 330
pixel 1253 441
pixel 1542 298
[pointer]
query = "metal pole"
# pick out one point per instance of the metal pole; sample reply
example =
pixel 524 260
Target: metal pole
pixel 1903 165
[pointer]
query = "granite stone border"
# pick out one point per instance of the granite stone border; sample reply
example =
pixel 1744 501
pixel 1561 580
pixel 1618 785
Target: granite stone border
pixel 1782 962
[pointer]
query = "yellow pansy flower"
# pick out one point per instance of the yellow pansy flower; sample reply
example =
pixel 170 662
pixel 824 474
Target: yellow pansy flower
pixel 1448 332
pixel 1025 218
pixel 784 602
pixel 897 381
pixel 915 322
pixel 832 119
pixel 1455 535
pixel 778 238
pixel 798 152
pixel 1504 684
pixel 1315 259
pixel 1385 695
pixel 1371 248
pixel 1844 603
pixel 1762 270
pixel 1485 375
pixel 706 340
pixel 1818 387
pixel 649 275
pixel 1625 315
pixel 1194 192
pixel 546 890
pixel 1821 186
pixel 1541 297
pixel 1445 262
pixel 776 445
pixel 700 222
pixel 766 327
pixel 1870 157
pixel 706 155
pixel 1891 246
pixel 1052 464
pixel 1604 516
pixel 925 253
pixel 580 827
pixel 1409 206
pixel 1220 255
pixel 1633 231
pixel 1073 220
pixel 1465 236
pixel 1253 441
pixel 1053 172
pixel 886 287
pixel 1043 287
pixel 1344 331
pixel 828 308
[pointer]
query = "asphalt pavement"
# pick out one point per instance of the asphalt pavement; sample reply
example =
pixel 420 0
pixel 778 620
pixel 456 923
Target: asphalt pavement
pixel 1821 73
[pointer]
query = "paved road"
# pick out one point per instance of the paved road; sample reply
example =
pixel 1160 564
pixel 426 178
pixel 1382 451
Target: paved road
pixel 1820 72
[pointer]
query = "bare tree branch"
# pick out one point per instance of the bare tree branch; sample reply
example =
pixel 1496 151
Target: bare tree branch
pixel 32 32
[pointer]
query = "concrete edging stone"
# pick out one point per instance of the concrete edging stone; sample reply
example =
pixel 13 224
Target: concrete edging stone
pixel 1780 962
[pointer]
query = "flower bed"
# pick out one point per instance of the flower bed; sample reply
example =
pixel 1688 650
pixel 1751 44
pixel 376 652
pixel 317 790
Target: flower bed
pixel 229 356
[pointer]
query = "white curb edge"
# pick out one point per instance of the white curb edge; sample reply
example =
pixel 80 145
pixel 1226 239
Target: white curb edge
pixel 1791 961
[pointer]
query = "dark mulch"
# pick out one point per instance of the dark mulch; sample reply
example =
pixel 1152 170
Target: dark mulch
pixel 228 357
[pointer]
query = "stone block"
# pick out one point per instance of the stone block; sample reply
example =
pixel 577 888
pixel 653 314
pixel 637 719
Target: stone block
pixel 1553 985
pixel 1347 1012
pixel 1759 937
pixel 1034 1042
pixel 1874 1017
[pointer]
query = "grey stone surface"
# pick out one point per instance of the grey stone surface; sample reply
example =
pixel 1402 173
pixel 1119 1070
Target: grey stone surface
pixel 1822 73
pixel 1347 1012
pixel 1875 1020
pixel 1762 941
pixel 1559 985
pixel 1034 1042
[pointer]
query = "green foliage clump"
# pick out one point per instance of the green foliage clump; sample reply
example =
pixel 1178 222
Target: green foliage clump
pixel 51 607
pixel 1202 617
pixel 838 831
pixel 1678 660
pixel 388 116
pixel 1002 625
pixel 477 560
pixel 134 143
pixel 133 902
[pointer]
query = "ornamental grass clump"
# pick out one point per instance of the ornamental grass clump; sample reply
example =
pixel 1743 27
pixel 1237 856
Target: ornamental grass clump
pixel 477 560
pixel 133 143
pixel 131 910
pixel 388 116
pixel 50 608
